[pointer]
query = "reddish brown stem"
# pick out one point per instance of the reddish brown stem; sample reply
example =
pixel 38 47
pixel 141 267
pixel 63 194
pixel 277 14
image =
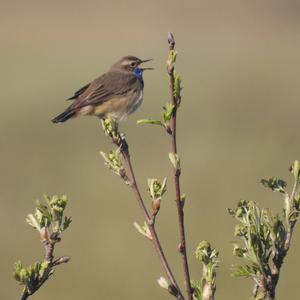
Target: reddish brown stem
pixel 182 246
pixel 24 295
pixel 180 212
pixel 174 290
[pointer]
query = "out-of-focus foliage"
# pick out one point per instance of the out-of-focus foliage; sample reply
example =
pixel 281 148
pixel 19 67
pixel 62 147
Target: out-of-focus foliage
pixel 208 256
pixel 266 235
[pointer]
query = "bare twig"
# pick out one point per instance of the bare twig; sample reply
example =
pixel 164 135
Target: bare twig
pixel 24 295
pixel 173 289
pixel 175 100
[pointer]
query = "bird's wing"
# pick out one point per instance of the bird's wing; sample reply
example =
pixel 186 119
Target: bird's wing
pixel 106 87
pixel 79 92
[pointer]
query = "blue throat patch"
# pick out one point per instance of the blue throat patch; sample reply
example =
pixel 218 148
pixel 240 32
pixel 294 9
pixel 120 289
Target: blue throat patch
pixel 139 74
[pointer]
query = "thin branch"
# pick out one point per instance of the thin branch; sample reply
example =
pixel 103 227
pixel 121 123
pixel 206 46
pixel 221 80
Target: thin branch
pixel 282 251
pixel 174 289
pixel 24 295
pixel 182 246
pixel 49 249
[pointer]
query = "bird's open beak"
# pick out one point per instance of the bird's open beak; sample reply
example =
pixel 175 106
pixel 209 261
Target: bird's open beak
pixel 146 60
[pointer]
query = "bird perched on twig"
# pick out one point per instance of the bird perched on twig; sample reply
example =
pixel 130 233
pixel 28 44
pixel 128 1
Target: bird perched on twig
pixel 115 94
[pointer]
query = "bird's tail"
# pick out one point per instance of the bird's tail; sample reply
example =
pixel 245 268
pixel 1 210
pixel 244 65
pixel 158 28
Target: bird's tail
pixel 66 115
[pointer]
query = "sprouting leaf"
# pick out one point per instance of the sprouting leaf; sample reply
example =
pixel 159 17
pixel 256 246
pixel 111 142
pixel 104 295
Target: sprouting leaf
pixel 110 127
pixel 238 251
pixel 206 253
pixel 162 281
pixel 43 267
pixel 197 294
pixel 113 161
pixel 243 271
pixel 295 169
pixel 240 230
pixel 32 221
pixel 17 271
pixel 167 113
pixel 177 86
pixel 171 59
pixel 241 210
pixel 66 223
pixel 31 276
pixel 150 121
pixel 43 215
pixel 175 160
pixel 144 230
pixel 157 188
pixel 275 184
pixel 278 230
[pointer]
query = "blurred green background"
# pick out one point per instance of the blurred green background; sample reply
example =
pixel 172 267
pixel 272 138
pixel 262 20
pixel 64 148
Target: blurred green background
pixel 238 122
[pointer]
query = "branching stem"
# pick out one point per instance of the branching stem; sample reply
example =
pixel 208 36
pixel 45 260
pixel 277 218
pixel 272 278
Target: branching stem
pixel 24 295
pixel 282 252
pixel 120 141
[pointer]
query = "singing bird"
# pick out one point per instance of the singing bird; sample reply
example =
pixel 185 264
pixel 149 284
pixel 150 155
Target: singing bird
pixel 115 94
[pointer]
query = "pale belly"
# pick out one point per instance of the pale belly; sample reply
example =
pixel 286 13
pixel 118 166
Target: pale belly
pixel 119 108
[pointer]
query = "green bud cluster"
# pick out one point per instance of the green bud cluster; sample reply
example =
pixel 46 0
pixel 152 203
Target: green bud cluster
pixel 208 256
pixel 49 220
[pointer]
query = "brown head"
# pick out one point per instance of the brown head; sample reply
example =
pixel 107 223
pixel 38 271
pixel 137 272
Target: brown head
pixel 129 63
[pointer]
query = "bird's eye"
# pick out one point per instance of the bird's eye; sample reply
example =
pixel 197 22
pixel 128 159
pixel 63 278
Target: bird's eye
pixel 133 64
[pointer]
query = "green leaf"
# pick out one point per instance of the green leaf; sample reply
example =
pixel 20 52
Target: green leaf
pixel 238 251
pixel 42 213
pixel 144 230
pixel 42 268
pixel 167 113
pixel 110 127
pixel 295 169
pixel 243 271
pixel 32 221
pixel 206 253
pixel 113 161
pixel 156 188
pixel 150 121
pixel 17 271
pixel 197 294
pixel 240 231
pixel 177 86
pixel 297 201
pixel 275 184
pixel 240 211
pixel 57 205
pixel 162 281
pixel 171 59
pixel 278 230
pixel 175 160
pixel 66 223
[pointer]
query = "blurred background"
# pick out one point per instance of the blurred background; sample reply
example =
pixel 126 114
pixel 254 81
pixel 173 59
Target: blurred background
pixel 239 62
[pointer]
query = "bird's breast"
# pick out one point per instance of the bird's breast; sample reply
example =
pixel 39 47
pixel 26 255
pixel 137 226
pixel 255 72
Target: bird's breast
pixel 136 102
pixel 120 107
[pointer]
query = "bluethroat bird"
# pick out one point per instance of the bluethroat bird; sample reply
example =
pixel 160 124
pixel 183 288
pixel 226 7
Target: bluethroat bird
pixel 115 94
